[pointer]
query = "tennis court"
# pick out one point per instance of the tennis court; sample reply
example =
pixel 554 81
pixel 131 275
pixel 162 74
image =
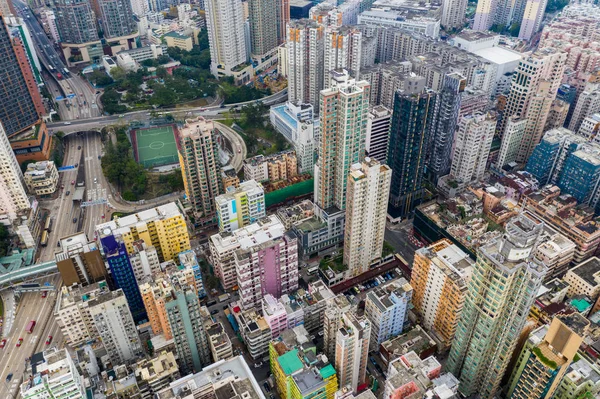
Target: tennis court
pixel 155 146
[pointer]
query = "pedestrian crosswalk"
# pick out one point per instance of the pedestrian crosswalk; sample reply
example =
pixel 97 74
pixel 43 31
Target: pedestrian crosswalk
pixel 94 194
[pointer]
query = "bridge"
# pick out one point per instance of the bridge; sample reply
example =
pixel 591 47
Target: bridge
pixel 27 273
pixel 33 287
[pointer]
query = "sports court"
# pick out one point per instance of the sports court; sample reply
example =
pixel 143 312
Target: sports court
pixel 155 146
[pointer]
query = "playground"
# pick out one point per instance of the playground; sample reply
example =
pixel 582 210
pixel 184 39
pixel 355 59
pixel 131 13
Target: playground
pixel 155 146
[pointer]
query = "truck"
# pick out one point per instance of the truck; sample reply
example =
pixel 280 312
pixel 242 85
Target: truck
pixel 224 297
pixel 30 327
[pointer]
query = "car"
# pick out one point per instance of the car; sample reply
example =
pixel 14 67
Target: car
pixel 356 290
pixel 257 365
pixel 3 344
pixel 72 182
pixel 121 116
pixel 99 156
pixel 62 186
pixel 225 307
pixel 95 180
pixel 67 123
pixel 44 294
pixel 97 92
pixel 19 342
pixel 214 311
pixel 79 147
pixel 9 377
pixel 49 340
pixel 76 165
pixel 211 303
pixel 267 387
pixel 74 220
pixel 68 192
pixel 222 106
pixel 321 333
pixel 239 151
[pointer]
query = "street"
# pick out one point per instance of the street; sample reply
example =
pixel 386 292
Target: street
pixel 30 307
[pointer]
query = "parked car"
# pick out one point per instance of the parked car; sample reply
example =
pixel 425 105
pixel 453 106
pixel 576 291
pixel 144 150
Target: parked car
pixel 9 377
pixel 68 192
pixel 74 220
pixel 49 340
pixel 79 147
pixel 214 311
pixel 19 342
pixel 267 387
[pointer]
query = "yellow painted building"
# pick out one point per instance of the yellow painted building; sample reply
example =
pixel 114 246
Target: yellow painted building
pixel 163 227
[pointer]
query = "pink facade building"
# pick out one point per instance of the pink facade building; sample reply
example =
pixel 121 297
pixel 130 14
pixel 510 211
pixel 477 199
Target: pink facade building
pixel 266 263
pixel 275 315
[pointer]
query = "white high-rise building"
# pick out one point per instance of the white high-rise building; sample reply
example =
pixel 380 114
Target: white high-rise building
pixel 378 132
pixel 588 103
pixel 453 14
pixel 13 197
pixel 56 377
pixel 305 61
pixel 140 7
pixel 532 91
pixel 472 145
pixel 225 24
pixel 352 350
pixel 342 50
pixel 116 328
pixel 511 139
pixel 366 209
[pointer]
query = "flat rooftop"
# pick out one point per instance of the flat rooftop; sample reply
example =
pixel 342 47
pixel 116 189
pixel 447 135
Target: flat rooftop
pixel 589 271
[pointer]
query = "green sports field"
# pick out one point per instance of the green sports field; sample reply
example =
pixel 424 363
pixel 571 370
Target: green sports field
pixel 155 146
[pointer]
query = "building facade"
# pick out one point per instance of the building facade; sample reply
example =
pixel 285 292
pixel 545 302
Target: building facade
pixel 240 206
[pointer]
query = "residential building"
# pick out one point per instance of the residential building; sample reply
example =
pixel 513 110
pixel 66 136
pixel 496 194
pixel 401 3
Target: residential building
pixel 386 308
pixel 386 79
pixel 546 357
pixel 76 21
pixel 116 18
pixel 255 331
pixel 185 318
pixel 224 245
pixel 584 279
pixel 21 105
pixel 218 340
pixel 411 376
pixel 298 370
pixel 144 261
pixel 271 168
pixel 410 134
pixel 162 227
pixel 266 262
pixel 7 8
pixel 183 42
pixel 241 206
pixel 378 133
pixel 155 374
pixel 283 17
pixel 557 252
pixel 444 127
pixel 41 178
pixel 110 314
pixel 472 144
pixel 440 273
pixel 489 331
pixel 200 168
pixel 588 103
pixel 121 270
pixel 342 50
pixel 343 120
pixel 453 14
pixel 296 122
pixel 263 26
pixel 533 89
pixel 155 295
pixel 226 378
pixel 352 350
pixel 80 261
pixel 229 177
pixel 189 261
pixel 225 24
pixel 581 174
pixel 366 209
pixel 73 315
pixel 55 376
pixel 532 18
pixel 414 340
pixel 13 198
pixel 511 141
pixel 332 321
pixel 581 378
pixel 425 25
pixel 305 45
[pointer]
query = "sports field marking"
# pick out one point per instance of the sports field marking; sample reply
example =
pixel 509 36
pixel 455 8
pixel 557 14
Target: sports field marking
pixel 156 145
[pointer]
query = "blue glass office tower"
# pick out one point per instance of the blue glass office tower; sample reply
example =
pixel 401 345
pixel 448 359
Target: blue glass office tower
pixel 122 273
pixel 581 176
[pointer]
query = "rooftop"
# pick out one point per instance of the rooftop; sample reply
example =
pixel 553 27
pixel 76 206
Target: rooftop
pixel 589 271
pixel 415 340
pixel 499 55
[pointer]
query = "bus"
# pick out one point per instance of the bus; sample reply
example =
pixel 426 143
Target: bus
pixel 30 326
pixel 44 240
pixel 312 269
pixel 48 224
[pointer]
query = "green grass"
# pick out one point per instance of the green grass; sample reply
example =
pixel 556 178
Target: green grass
pixel 156 146
pixel 550 363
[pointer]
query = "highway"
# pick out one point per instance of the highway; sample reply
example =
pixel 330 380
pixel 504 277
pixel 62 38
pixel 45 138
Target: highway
pixel 84 104
pixel 237 143
pixel 96 186
pixel 12 358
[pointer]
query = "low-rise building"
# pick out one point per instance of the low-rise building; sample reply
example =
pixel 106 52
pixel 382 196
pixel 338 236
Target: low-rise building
pixel 581 380
pixel 229 177
pixel 254 329
pixel 174 39
pixel 415 340
pixel 41 178
pixel 155 374
pixel 52 374
pixel 218 340
pixel 272 168
pixel 584 279
pixel 556 251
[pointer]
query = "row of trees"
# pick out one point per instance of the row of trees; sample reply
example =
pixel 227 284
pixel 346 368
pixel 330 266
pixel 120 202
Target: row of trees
pixel 121 169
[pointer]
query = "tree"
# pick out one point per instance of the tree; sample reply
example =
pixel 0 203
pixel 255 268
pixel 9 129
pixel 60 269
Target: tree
pixel 163 96
pixel 99 78
pixel 25 163
pixel 4 240
pixel 161 72
pixel 514 29
pixel 254 115
pixel 118 73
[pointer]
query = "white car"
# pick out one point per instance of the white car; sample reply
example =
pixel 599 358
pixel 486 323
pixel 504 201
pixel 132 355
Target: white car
pixel 95 180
